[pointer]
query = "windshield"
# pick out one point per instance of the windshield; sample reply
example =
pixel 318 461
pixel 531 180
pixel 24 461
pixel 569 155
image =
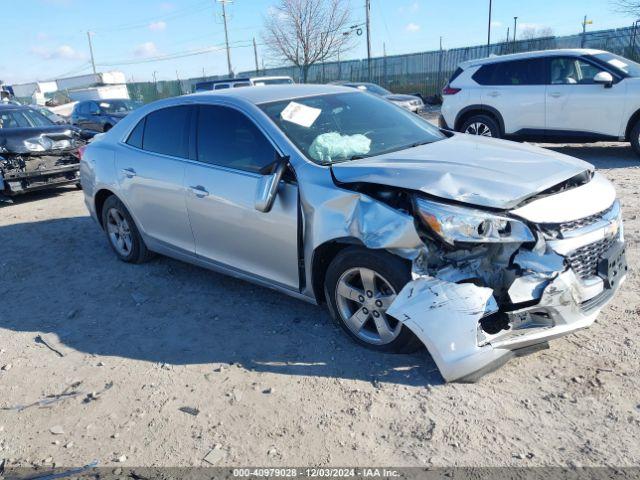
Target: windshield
pixel 347 126
pixel 629 67
pixel 23 118
pixel 117 106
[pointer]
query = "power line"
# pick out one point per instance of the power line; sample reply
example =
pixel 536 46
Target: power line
pixel 196 8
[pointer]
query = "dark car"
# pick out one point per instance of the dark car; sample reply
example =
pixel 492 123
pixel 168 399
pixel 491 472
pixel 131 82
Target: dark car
pixel 101 115
pixel 35 153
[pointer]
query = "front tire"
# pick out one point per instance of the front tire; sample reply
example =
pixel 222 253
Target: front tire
pixel 122 233
pixel 481 125
pixel 360 285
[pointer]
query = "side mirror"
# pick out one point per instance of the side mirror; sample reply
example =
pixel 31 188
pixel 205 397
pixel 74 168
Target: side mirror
pixel 268 185
pixel 603 78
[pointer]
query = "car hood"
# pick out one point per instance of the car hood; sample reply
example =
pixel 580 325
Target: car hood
pixel 396 97
pixel 475 170
pixel 12 139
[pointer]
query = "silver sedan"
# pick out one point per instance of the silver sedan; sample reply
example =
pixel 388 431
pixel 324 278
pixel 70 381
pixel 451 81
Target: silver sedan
pixel 476 248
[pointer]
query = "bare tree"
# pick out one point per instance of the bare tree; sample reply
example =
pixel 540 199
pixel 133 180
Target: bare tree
pixel 531 33
pixel 631 7
pixel 305 32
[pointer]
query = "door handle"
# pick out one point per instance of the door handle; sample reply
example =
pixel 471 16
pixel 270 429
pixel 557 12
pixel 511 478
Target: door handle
pixel 199 191
pixel 493 94
pixel 555 94
pixel 128 172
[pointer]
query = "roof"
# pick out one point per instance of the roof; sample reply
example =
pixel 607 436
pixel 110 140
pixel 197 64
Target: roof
pixel 571 52
pixel 273 93
pixel 12 106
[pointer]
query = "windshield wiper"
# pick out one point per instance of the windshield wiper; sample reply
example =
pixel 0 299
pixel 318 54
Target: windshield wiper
pixel 417 144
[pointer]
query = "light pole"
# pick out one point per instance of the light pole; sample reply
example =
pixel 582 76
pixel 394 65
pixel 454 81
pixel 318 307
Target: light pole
pixel 367 6
pixel 515 26
pixel 93 62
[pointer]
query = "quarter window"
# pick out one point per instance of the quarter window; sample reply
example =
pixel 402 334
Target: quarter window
pixel 166 131
pixel 520 72
pixel 228 138
pixel 135 137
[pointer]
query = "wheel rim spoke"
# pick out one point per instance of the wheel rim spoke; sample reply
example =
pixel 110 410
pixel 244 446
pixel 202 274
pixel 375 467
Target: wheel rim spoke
pixel 386 301
pixel 384 330
pixel 357 320
pixel 348 291
pixel 368 278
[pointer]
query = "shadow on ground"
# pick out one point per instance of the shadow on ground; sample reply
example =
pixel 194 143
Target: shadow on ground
pixel 60 276
pixel 602 156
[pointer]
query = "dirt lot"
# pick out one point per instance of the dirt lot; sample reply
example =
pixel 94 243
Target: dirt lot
pixel 271 380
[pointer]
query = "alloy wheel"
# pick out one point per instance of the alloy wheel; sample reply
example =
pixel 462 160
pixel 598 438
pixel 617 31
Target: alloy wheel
pixel 119 232
pixel 363 297
pixel 478 128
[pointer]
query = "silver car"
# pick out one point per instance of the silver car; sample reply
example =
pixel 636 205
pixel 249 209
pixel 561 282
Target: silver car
pixel 478 249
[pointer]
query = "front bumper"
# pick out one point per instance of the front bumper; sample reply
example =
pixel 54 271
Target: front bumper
pixel 557 288
pixel 23 182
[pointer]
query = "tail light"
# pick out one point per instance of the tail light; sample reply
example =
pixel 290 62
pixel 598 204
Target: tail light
pixel 450 90
pixel 81 151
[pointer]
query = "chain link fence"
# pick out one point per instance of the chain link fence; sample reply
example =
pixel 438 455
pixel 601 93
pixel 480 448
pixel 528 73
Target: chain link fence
pixel 424 72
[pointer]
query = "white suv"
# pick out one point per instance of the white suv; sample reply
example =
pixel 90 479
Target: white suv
pixel 576 95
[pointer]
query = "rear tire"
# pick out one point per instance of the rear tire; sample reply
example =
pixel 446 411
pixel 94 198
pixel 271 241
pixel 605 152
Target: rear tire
pixel 353 305
pixel 122 233
pixel 481 125
pixel 635 138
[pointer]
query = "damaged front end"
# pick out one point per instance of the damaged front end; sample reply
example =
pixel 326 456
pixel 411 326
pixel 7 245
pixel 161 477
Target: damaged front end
pixel 490 285
pixel 34 160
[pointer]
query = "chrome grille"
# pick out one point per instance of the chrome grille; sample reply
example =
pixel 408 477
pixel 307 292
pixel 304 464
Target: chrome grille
pixel 584 260
pixel 582 222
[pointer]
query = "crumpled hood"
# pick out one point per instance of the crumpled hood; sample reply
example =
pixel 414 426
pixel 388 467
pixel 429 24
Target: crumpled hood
pixel 480 171
pixel 398 97
pixel 12 139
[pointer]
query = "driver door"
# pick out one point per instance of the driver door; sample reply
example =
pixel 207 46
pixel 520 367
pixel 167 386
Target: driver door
pixel 220 196
pixel 576 105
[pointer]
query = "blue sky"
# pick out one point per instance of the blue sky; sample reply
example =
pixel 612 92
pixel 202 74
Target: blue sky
pixel 47 38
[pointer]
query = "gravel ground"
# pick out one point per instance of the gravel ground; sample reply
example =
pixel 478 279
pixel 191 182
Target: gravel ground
pixel 158 364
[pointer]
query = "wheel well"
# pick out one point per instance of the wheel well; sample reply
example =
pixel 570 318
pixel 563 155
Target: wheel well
pixel 632 121
pixel 464 115
pixel 101 197
pixel 322 257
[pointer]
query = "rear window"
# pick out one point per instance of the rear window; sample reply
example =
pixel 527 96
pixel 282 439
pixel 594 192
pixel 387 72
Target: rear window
pixel 166 131
pixel 456 74
pixel 520 72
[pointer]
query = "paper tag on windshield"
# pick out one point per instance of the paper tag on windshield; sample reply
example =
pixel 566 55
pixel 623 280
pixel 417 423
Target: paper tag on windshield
pixel 300 114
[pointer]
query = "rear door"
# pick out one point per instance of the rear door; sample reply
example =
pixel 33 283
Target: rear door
pixel 221 188
pixel 151 168
pixel 578 107
pixel 516 89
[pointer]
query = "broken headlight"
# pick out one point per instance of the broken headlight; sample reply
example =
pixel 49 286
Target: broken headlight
pixel 38 145
pixel 461 224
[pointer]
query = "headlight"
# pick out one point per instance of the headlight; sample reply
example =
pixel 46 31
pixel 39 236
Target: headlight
pixel 34 146
pixel 460 224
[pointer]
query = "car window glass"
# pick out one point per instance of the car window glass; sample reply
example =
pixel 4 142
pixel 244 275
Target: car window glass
pixel 572 71
pixel 221 86
pixel 241 84
pixel 520 72
pixel 135 137
pixel 93 108
pixel 83 108
pixel 228 138
pixel 13 119
pixel 36 119
pixel 167 131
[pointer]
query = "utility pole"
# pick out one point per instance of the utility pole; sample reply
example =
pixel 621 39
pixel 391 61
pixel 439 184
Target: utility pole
pixel 93 62
pixel 515 26
pixel 255 54
pixel 489 31
pixel 226 36
pixel 367 6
